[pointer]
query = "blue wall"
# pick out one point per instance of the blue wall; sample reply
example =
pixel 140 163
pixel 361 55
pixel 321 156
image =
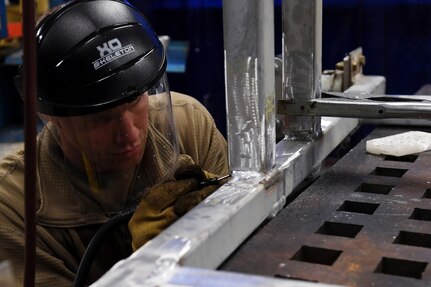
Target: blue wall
pixel 395 35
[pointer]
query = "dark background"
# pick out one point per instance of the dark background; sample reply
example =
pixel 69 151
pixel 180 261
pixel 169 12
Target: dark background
pixel 395 36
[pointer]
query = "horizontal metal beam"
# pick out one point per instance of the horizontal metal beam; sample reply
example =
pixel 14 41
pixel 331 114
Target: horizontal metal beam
pixel 185 276
pixel 347 108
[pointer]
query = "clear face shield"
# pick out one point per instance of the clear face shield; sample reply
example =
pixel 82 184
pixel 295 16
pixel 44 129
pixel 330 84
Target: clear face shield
pixel 114 155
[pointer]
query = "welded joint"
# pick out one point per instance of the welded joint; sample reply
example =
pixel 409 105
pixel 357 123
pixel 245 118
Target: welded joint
pixel 272 177
pixel 274 182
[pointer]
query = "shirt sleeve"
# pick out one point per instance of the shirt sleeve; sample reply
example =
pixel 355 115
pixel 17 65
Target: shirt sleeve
pixel 198 135
pixel 50 271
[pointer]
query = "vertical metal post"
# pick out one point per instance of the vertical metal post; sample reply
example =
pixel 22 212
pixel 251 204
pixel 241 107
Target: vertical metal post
pixel 302 67
pixel 250 83
pixel 29 32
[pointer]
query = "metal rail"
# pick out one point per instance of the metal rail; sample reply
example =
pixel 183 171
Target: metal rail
pixel 337 107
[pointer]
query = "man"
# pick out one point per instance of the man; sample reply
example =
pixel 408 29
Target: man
pixel 113 137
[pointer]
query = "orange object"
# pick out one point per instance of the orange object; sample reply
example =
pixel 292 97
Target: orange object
pixel 14 29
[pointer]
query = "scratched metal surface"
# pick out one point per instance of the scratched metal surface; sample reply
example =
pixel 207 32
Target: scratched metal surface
pixel 365 222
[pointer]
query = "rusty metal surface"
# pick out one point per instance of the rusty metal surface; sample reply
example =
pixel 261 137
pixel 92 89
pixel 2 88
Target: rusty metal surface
pixel 365 222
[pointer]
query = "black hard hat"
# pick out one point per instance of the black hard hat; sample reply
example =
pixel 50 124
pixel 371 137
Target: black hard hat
pixel 93 55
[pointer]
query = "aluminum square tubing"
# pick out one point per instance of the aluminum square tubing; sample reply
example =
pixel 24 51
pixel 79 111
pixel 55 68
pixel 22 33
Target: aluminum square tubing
pixel 302 62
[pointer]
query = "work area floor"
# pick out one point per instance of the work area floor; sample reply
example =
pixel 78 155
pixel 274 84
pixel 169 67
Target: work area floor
pixel 365 222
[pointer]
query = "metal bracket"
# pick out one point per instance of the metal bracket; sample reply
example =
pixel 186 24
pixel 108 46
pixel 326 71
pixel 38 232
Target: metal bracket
pixel 346 73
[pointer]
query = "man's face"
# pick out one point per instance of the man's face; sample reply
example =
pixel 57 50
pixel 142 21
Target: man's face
pixel 110 140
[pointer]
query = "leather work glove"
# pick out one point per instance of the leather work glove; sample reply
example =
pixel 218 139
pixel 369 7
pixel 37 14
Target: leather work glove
pixel 163 204
pixel 189 200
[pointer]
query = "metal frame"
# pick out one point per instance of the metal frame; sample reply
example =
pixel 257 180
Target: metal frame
pixel 264 174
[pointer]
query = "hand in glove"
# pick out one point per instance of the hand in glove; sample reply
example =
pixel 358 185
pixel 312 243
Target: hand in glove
pixel 164 203
pixel 189 200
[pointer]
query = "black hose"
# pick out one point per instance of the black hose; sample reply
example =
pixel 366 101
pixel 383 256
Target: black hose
pixel 95 243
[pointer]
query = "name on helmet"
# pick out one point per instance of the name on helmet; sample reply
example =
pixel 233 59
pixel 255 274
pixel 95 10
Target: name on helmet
pixel 110 51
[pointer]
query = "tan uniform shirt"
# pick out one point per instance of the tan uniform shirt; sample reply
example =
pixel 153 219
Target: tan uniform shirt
pixel 67 220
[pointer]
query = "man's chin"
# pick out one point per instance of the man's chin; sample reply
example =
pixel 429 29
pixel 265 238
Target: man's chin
pixel 120 164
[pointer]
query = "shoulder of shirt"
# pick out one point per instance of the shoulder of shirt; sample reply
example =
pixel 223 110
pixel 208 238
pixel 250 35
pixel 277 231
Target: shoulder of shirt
pixel 11 163
pixel 183 100
pixel 12 177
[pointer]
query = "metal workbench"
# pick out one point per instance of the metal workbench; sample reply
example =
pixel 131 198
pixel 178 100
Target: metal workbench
pixel 365 222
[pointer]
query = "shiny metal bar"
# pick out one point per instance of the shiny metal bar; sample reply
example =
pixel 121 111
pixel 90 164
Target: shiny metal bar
pixel 302 48
pixel 194 277
pixel 250 83
pixel 337 107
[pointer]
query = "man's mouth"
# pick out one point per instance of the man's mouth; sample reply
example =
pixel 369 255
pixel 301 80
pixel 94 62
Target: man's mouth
pixel 130 151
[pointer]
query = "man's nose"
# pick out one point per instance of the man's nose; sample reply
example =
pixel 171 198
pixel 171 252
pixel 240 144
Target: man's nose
pixel 127 132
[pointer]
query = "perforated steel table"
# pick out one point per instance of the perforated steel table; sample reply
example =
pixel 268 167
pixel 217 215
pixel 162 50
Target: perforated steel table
pixel 365 222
